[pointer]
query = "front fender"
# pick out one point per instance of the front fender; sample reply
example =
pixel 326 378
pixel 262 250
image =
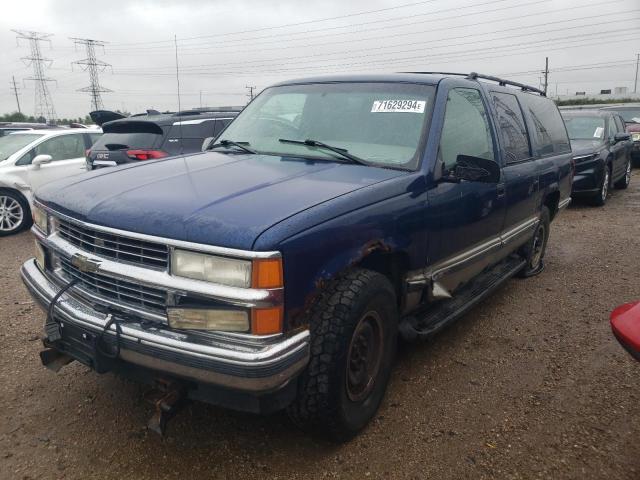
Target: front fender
pixel 13 182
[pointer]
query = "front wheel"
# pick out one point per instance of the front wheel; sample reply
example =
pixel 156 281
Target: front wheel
pixel 535 249
pixel 354 328
pixel 600 198
pixel 623 183
pixel 14 213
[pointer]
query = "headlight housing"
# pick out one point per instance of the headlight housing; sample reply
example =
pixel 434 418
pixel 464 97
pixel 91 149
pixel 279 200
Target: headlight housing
pixel 40 219
pixel 232 272
pixel 635 136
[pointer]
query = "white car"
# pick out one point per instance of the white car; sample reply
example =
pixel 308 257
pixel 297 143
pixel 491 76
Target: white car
pixel 31 158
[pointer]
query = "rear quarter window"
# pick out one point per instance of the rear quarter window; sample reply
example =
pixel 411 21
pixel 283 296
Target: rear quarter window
pixel 549 133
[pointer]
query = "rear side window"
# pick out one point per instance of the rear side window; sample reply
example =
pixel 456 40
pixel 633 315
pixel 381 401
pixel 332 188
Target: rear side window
pixel 513 130
pixel 115 141
pixel 619 123
pixel 549 132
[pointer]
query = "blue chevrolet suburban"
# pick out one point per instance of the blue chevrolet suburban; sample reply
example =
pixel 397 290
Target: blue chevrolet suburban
pixel 277 269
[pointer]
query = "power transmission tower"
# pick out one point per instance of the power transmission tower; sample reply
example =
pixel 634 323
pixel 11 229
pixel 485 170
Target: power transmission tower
pixel 14 88
pixel 250 94
pixel 93 66
pixel 546 74
pixel 43 103
pixel 635 85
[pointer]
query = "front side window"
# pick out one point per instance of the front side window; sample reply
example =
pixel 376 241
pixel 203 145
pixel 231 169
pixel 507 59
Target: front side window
pixel 380 123
pixel 64 147
pixel 466 129
pixel 512 127
pixel 581 127
pixel 612 128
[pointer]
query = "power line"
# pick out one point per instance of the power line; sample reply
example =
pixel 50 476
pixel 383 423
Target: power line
pixel 43 103
pixel 92 65
pixel 14 88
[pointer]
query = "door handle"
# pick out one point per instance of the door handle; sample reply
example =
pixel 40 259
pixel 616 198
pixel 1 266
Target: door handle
pixel 501 190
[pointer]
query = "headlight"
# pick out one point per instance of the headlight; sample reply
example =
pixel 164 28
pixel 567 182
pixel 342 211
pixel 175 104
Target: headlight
pixel 225 271
pixel 208 319
pixel 41 219
pixel 635 137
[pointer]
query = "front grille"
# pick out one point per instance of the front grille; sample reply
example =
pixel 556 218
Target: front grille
pixel 114 246
pixel 120 291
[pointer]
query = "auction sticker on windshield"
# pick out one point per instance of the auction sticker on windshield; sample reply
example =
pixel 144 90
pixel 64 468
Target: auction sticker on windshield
pixel 398 106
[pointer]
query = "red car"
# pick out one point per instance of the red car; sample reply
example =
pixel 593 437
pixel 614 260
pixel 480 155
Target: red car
pixel 631 114
pixel 625 323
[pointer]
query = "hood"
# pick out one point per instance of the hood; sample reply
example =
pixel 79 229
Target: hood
pixel 585 147
pixel 210 198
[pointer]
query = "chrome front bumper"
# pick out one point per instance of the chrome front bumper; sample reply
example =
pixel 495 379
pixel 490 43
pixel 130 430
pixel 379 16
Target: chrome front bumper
pixel 247 363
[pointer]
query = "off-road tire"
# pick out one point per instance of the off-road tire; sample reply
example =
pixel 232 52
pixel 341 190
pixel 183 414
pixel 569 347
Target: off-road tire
pixel 15 198
pixel 533 251
pixel 325 404
pixel 623 183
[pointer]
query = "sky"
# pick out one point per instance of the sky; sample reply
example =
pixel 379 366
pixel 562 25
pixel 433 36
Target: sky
pixel 225 46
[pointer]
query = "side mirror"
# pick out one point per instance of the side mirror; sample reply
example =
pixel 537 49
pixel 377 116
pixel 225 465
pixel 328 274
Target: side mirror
pixel 621 137
pixel 476 169
pixel 206 142
pixel 40 159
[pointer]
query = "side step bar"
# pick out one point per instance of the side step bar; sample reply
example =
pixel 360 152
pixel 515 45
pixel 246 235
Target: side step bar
pixel 425 323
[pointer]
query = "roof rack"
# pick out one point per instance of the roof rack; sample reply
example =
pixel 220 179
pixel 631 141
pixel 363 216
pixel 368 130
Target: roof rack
pixel 501 81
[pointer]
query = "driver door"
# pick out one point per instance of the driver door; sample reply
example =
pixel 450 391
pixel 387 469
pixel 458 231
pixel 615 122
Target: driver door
pixel 465 217
pixel 67 158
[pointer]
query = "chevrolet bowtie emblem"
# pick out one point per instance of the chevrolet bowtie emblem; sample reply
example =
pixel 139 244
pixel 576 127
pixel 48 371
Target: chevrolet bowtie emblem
pixel 84 264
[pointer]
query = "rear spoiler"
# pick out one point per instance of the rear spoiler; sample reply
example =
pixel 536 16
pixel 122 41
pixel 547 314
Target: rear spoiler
pixel 103 116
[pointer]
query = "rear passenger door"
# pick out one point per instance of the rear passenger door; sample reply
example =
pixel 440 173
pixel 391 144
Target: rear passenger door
pixel 67 158
pixel 618 150
pixel 520 172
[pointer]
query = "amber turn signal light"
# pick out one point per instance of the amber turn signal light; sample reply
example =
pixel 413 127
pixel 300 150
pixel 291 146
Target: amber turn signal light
pixel 267 273
pixel 266 321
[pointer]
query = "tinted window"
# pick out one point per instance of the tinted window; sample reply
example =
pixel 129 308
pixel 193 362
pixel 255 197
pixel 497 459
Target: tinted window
pixel 466 128
pixel 382 123
pixel 549 133
pixel 619 123
pixel 64 147
pixel 613 129
pixel 512 127
pixel 130 140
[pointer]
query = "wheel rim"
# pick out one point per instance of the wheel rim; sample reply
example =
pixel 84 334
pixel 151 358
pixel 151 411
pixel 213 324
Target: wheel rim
pixel 537 249
pixel 364 357
pixel 627 176
pixel 605 185
pixel 11 213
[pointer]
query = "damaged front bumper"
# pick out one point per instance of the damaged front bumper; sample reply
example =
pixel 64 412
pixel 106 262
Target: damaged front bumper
pixel 242 363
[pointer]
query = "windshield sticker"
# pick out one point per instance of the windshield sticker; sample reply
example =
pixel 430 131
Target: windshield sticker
pixel 598 132
pixel 398 106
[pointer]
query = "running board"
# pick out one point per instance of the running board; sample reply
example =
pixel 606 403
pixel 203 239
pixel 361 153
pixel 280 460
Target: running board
pixel 425 323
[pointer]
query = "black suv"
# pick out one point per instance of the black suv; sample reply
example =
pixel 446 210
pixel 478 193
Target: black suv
pixel 154 134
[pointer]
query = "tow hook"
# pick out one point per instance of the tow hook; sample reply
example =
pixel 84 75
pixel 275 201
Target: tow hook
pixel 168 397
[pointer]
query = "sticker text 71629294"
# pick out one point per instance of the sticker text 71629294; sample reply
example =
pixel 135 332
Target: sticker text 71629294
pixel 398 106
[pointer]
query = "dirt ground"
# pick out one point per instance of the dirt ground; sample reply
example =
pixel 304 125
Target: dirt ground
pixel 530 384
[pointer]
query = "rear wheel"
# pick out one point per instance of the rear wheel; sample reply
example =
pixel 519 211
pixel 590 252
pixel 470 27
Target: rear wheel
pixel 536 248
pixel 623 183
pixel 354 326
pixel 600 198
pixel 15 214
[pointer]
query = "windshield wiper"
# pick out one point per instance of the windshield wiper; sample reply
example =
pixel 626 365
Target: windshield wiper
pixel 230 143
pixel 343 152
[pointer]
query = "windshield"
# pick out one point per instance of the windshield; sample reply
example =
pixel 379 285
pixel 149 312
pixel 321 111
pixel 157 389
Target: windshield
pixel 585 128
pixel 629 115
pixel 380 123
pixel 10 144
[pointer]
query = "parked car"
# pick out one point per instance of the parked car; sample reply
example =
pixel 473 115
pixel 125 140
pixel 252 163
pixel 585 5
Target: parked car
pixel 9 127
pixel 625 324
pixel 277 269
pixel 601 150
pixel 630 113
pixel 154 135
pixel 31 158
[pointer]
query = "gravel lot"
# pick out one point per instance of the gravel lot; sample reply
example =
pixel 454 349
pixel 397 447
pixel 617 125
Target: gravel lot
pixel 530 384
